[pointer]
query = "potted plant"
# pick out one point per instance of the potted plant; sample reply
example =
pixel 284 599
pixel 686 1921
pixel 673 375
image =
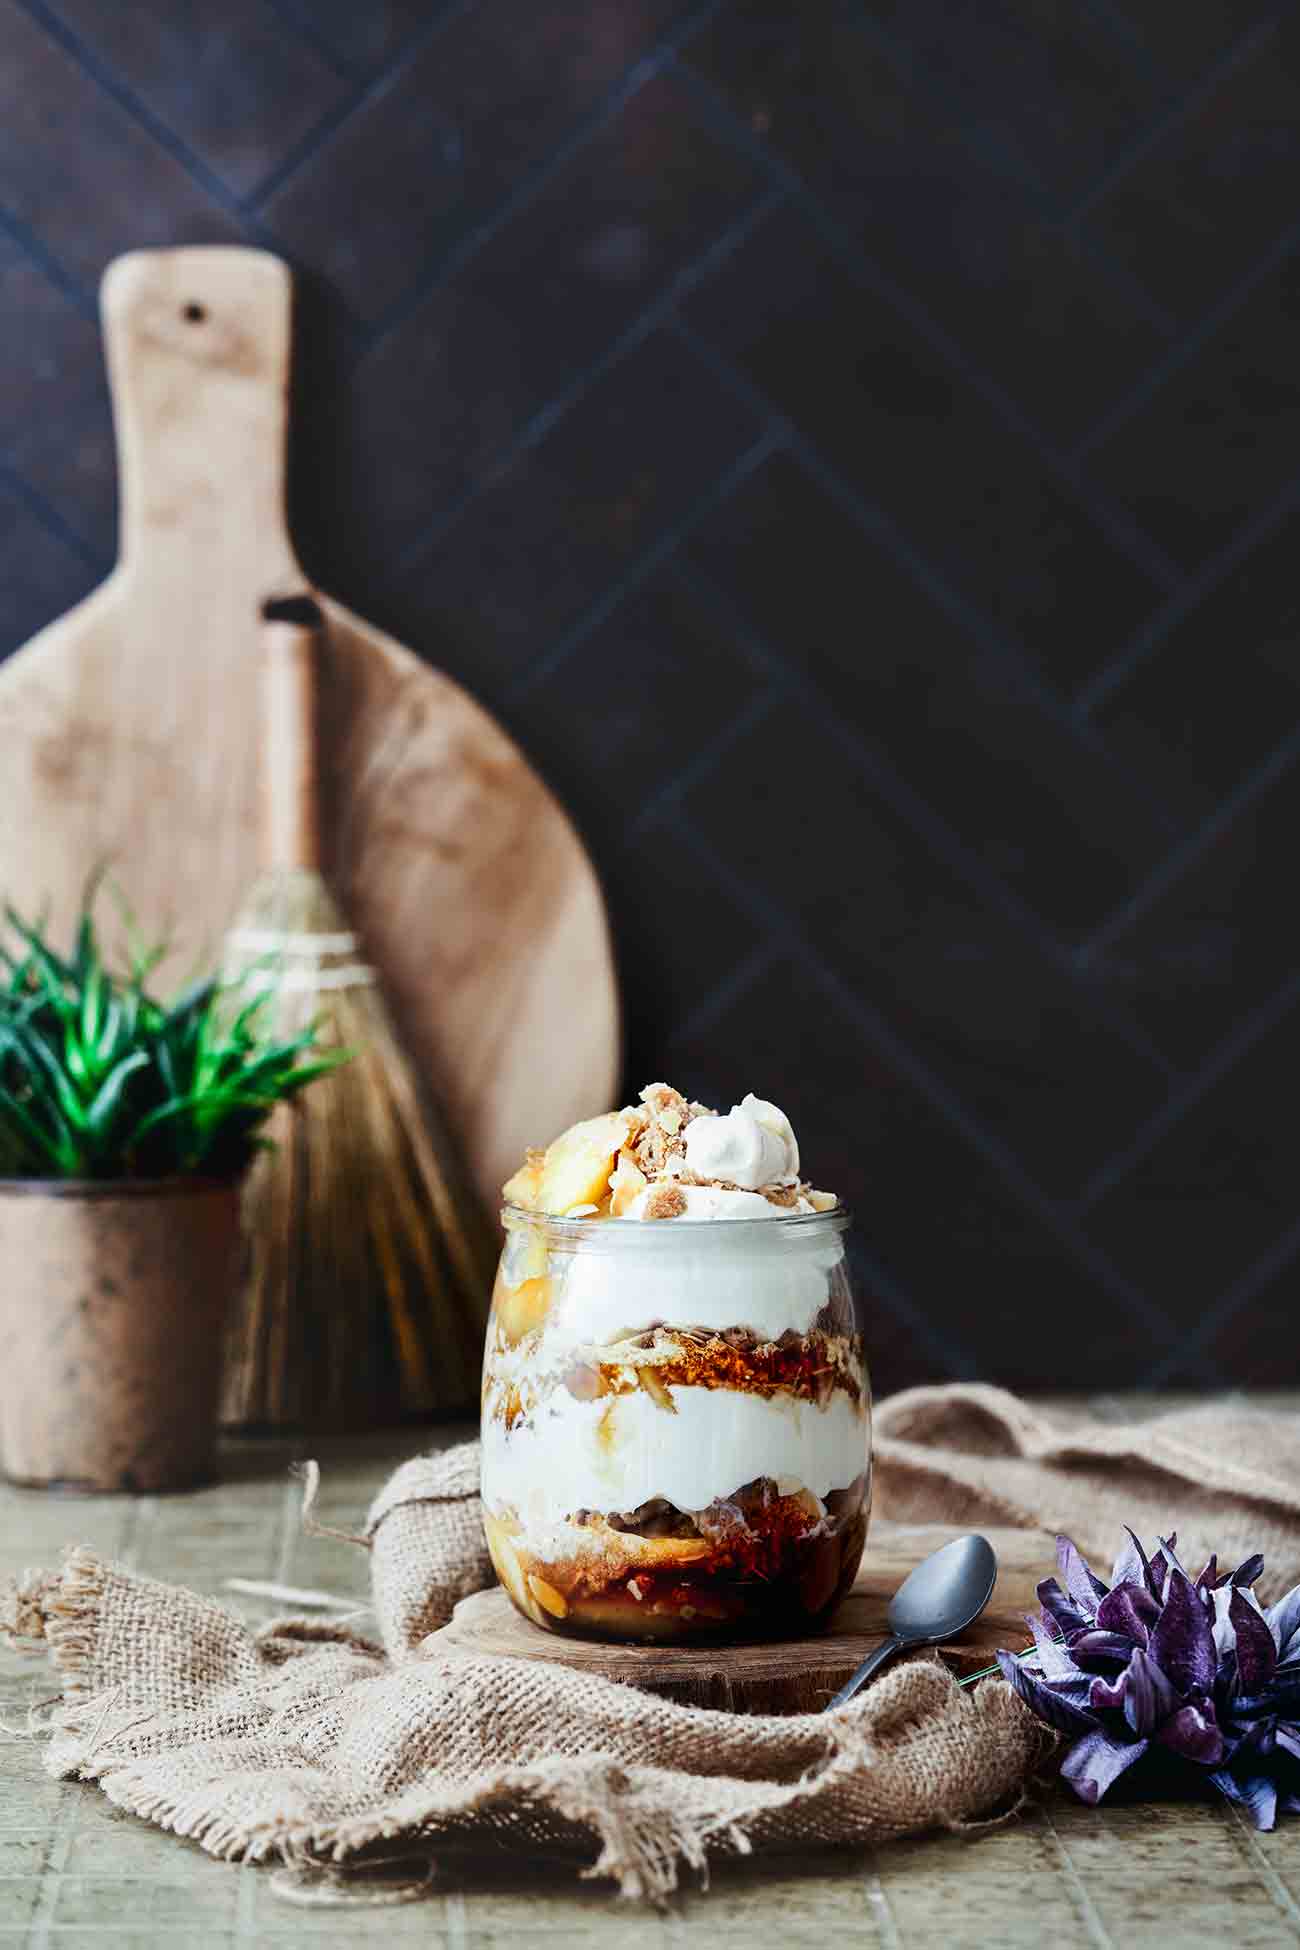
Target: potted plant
pixel 126 1124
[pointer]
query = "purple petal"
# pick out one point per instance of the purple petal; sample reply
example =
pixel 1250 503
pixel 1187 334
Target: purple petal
pixel 1049 1705
pixel 1256 1652
pixel 1266 1707
pixel 1273 1703
pixel 1194 1733
pixel 1083 1587
pixel 1058 1608
pixel 1259 1739
pixel 1054 1658
pixel 1256 1793
pixel 1089 1649
pixel 1096 1762
pixel 1225 1632
pixel 1148 1696
pixel 1284 1621
pixel 1104 1693
pixel 1141 1692
pixel 1247 1572
pixel 1130 1609
pixel 1133 1566
pixel 1182 1643
pixel 1206 1579
pixel 1165 1561
pixel 1175 1561
pixel 1288 1738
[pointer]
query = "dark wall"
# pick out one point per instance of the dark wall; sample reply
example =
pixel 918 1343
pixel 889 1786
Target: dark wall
pixel 855 447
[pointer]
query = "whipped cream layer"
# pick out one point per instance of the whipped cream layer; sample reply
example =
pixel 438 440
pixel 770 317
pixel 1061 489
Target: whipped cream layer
pixel 615 1454
pixel 715 1202
pixel 769 1284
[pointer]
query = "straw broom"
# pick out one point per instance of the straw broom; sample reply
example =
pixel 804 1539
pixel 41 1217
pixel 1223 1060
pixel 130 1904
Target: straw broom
pixel 368 1256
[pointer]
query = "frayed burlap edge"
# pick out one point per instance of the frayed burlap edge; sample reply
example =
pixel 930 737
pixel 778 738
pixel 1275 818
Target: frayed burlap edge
pixel 645 1823
pixel 643 1843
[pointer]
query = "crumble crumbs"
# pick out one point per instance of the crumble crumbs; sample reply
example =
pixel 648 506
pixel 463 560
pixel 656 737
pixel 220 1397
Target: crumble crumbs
pixel 657 1142
pixel 665 1202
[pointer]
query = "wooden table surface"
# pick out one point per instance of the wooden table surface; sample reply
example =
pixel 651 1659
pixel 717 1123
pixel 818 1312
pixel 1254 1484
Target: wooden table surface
pixel 73 1870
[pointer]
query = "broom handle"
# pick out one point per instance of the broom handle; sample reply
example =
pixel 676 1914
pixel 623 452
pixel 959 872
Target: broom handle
pixel 290 637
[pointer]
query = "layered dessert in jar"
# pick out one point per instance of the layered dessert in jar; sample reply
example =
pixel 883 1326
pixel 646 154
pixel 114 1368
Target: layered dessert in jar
pixel 676 1413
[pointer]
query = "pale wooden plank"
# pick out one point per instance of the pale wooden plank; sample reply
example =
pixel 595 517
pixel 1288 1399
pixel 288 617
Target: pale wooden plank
pixel 956 1890
pixel 1168 1873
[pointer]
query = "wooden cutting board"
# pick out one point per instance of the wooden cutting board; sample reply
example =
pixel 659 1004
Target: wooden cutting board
pixel 129 732
pixel 797 1675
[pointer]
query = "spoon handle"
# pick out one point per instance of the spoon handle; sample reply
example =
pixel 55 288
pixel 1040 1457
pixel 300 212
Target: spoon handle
pixel 869 1667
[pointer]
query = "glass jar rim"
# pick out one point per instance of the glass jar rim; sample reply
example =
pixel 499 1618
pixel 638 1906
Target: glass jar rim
pixel 613 1234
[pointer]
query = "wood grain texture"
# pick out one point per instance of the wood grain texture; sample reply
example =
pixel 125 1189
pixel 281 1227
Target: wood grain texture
pixel 130 730
pixel 799 1675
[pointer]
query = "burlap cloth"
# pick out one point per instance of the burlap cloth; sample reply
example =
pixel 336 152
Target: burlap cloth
pixel 308 1742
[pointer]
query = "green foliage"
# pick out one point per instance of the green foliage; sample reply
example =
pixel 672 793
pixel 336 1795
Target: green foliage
pixel 98 1079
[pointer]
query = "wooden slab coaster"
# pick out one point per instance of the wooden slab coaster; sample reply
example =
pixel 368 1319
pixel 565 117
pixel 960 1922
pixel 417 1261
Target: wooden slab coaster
pixel 795 1675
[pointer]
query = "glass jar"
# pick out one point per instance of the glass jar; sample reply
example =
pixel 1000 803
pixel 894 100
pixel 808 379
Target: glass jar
pixel 676 1425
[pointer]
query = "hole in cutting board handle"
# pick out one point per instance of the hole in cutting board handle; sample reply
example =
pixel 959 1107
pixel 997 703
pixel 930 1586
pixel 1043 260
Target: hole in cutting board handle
pixel 193 314
pixel 303 610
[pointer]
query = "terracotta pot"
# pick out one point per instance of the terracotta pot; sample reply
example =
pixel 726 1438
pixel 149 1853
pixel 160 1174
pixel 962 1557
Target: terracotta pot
pixel 113 1304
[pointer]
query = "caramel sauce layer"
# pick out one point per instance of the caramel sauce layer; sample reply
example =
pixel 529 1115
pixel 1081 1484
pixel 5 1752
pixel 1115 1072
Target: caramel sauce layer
pixel 759 1561
pixel 808 1367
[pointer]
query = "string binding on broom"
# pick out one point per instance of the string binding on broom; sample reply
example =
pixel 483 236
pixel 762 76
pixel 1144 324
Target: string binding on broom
pixel 275 946
pixel 270 941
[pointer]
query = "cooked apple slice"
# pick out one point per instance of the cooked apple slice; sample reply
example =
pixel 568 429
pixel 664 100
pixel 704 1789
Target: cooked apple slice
pixel 627 1184
pixel 508 1568
pixel 521 1309
pixel 521 1190
pixel 574 1170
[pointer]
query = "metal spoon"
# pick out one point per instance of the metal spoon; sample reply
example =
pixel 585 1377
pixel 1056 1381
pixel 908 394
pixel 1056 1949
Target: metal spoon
pixel 939 1600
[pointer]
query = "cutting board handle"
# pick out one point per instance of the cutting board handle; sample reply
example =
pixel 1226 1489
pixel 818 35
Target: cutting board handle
pixel 198 346
pixel 290 635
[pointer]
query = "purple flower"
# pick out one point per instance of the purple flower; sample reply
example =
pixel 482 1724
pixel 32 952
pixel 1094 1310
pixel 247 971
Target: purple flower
pixel 1158 1660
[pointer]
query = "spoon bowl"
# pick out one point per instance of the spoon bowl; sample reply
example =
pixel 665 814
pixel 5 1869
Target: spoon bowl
pixel 941 1597
pixel 945 1593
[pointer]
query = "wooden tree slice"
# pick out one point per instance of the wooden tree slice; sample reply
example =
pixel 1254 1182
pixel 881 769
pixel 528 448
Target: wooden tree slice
pixel 792 1676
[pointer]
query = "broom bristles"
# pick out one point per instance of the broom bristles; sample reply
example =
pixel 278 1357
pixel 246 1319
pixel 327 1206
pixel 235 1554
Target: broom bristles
pixel 369 1258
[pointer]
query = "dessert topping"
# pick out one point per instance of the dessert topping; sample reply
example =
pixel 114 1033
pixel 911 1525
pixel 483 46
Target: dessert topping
pixel 667 1158
pixel 751 1147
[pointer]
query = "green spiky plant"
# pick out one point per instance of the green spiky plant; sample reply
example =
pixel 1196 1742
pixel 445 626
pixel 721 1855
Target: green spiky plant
pixel 101 1080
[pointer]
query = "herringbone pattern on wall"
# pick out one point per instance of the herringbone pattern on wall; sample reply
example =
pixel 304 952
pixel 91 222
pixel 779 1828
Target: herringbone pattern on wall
pixel 854 446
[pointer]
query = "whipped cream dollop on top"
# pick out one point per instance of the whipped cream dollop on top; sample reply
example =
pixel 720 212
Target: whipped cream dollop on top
pixel 666 1158
pixel 752 1146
